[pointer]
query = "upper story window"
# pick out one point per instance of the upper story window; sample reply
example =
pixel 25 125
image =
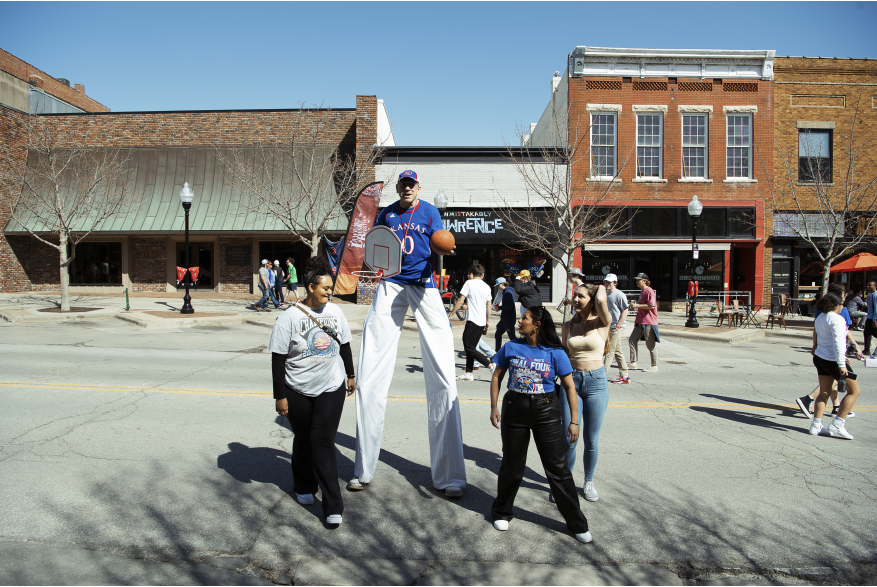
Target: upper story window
pixel 603 144
pixel 814 155
pixel 739 159
pixel 694 145
pixel 649 131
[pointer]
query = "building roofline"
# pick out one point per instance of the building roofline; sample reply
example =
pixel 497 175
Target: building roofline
pixel 459 152
pixel 202 111
pixel 588 51
pixel 827 58
pixel 84 95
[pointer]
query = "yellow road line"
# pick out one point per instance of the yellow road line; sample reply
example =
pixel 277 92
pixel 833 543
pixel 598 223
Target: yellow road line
pixel 397 398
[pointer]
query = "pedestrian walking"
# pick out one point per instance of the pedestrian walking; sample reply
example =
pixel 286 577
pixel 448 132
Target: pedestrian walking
pixel 507 316
pixel 291 279
pixel 527 292
pixel 870 316
pixel 312 369
pixel 530 404
pixel 585 338
pixel 805 403
pixel 646 323
pixel 279 278
pixel 618 309
pixel 829 358
pixel 265 273
pixel 476 295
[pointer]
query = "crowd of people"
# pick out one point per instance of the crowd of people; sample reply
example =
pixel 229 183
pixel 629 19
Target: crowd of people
pixel 556 380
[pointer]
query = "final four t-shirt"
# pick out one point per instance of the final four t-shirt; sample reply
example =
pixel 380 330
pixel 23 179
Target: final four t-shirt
pixel 531 369
pixel 413 226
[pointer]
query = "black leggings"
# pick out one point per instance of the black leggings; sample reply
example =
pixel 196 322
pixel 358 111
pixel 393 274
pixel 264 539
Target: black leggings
pixel 502 329
pixel 540 413
pixel 314 422
pixel 869 332
pixel 471 334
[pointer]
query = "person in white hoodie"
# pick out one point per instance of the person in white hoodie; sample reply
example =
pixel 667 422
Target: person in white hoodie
pixel 829 357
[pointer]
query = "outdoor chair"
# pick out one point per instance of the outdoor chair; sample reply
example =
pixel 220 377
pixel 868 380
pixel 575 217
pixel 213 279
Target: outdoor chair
pixel 725 314
pixel 780 315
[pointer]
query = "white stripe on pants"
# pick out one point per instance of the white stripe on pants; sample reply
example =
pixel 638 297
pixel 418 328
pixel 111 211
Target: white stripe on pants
pixel 377 358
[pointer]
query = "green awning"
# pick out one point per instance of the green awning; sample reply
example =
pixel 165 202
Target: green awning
pixel 159 174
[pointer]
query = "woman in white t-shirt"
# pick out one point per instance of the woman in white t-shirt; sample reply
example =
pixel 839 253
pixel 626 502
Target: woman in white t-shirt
pixel 477 296
pixel 312 368
pixel 829 357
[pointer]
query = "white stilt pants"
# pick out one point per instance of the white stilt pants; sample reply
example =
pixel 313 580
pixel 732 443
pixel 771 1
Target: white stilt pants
pixel 377 358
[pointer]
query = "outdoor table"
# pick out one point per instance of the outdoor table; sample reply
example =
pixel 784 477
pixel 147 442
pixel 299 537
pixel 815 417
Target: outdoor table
pixel 749 316
pixel 796 304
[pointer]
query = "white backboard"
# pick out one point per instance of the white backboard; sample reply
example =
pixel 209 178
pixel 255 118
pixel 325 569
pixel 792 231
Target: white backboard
pixel 383 251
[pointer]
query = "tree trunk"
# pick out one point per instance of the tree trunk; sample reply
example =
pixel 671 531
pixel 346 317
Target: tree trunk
pixel 826 271
pixel 314 244
pixel 65 273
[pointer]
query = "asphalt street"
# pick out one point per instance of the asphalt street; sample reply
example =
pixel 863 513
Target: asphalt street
pixel 132 456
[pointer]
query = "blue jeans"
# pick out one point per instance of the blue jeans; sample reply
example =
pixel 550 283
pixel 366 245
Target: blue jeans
pixel 266 293
pixel 593 392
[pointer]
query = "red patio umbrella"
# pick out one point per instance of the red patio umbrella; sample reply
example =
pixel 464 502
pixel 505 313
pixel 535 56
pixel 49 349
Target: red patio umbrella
pixel 860 262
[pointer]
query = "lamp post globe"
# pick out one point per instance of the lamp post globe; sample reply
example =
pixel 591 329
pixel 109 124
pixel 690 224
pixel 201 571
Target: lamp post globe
pixel 441 202
pixel 186 197
pixel 694 210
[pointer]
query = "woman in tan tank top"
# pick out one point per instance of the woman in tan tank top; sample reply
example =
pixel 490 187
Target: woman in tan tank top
pixel 585 338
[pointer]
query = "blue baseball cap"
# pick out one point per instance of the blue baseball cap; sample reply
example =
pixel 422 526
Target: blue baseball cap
pixel 409 175
pixel 499 280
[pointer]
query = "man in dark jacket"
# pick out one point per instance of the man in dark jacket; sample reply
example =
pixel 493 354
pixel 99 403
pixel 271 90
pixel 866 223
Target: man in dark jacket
pixel 527 291
pixel 507 317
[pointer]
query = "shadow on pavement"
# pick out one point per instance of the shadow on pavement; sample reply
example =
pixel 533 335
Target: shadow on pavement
pixel 785 410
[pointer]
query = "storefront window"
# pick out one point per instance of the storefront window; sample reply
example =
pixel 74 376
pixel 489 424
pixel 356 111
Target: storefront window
pixel 655 222
pixel 742 222
pixel 708 269
pixel 712 223
pixel 97 264
pixel 596 266
pixel 280 251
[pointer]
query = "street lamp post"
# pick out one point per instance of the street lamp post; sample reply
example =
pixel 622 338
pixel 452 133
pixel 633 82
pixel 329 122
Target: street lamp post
pixel 186 197
pixel 694 210
pixel 441 202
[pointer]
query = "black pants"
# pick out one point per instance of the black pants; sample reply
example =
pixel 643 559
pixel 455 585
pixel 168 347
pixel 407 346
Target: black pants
pixel 869 332
pixel 540 413
pixel 314 423
pixel 471 334
pixel 278 292
pixel 501 330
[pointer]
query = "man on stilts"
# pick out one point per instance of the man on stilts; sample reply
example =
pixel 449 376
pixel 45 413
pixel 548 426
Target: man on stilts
pixel 414 222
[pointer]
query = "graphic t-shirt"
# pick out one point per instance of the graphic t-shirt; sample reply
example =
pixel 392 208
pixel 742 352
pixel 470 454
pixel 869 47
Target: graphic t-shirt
pixel 413 226
pixel 532 369
pixel 477 295
pixel 650 315
pixel 313 365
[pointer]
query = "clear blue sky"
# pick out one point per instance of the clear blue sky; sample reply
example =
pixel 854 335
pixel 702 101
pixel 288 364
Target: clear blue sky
pixel 450 73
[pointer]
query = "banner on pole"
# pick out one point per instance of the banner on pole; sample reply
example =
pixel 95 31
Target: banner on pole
pixel 365 211
pixel 333 252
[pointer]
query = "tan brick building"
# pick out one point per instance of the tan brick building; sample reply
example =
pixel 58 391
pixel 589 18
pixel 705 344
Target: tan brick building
pixel 140 251
pixel 816 102
pixel 662 126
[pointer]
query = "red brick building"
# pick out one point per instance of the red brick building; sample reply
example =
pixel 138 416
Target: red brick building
pixel 661 126
pixel 166 149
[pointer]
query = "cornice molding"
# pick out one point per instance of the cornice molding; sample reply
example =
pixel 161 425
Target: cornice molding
pixel 642 63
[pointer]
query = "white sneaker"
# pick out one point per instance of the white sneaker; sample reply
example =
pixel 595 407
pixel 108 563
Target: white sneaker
pixel 501 525
pixel 652 369
pixel 631 365
pixel 816 427
pixel 356 485
pixel 465 377
pixel 837 428
pixel 304 498
pixel 334 520
pixel 492 366
pixel 585 537
pixel 590 492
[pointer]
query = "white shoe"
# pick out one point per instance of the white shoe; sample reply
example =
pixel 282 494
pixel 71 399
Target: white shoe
pixel 492 366
pixel 590 492
pixel 465 377
pixel 304 498
pixel 585 537
pixel 816 427
pixel 631 365
pixel 356 485
pixel 501 525
pixel 334 520
pixel 837 428
pixel 652 369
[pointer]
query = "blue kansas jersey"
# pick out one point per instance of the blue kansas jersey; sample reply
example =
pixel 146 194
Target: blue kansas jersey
pixel 421 221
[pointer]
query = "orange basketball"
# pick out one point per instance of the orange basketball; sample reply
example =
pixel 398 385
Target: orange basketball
pixel 442 242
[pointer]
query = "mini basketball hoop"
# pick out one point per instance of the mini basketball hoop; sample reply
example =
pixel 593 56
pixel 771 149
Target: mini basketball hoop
pixel 383 251
pixel 366 285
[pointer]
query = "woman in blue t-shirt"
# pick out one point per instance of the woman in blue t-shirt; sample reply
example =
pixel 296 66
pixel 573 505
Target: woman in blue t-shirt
pixel 530 404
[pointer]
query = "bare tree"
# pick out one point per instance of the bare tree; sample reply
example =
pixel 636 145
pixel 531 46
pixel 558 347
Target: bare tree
pixel 828 202
pixel 567 185
pixel 308 183
pixel 65 190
